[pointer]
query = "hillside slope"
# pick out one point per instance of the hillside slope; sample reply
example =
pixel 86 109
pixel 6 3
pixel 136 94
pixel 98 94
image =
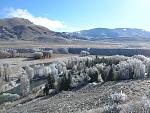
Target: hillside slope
pixel 114 34
pixel 22 29
pixel 92 96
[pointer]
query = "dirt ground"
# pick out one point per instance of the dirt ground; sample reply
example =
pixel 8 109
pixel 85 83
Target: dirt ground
pixel 92 96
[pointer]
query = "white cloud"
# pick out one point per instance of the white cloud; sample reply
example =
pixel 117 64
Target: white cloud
pixel 43 21
pixel 55 25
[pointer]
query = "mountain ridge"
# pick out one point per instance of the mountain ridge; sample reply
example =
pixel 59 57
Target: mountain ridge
pixel 13 29
pixel 117 33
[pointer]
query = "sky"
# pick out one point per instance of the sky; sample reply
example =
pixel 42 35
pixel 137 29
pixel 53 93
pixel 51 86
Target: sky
pixel 75 15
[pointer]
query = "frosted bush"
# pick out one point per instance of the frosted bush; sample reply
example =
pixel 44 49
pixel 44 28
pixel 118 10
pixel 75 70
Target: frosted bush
pixel 124 71
pixel 141 57
pixel 7 72
pixel 24 84
pixel 140 106
pixel 54 70
pixel 94 75
pixel 119 97
pixel 4 54
pixel 148 68
pixel 36 70
pixel 47 70
pixel 100 67
pixel 84 53
pixel 116 99
pixel 41 70
pixel 47 54
pixel 37 55
pixel 30 72
pixel 138 68
pixel 112 109
pixel 12 52
pixel 146 104
pixel 1 71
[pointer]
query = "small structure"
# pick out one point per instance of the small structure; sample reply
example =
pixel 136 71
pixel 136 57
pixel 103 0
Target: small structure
pixel 84 53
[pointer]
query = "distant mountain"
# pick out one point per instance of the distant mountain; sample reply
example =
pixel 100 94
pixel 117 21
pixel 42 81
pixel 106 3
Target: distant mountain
pixel 23 29
pixel 113 34
pixel 14 29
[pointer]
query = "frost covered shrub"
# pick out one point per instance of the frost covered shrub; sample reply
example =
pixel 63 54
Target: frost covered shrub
pixel 110 60
pixel 63 82
pixel 42 70
pixel 6 72
pixel 12 52
pixel 116 99
pixel 24 84
pixel 138 68
pixel 89 62
pixel 59 78
pixel 4 54
pixel 1 71
pixel 37 55
pixel 140 106
pixel 47 54
pixel 63 79
pixel 84 53
pixel 112 109
pixel 54 70
pixel 70 63
pixel 141 57
pixel 78 79
pixel 130 69
pixel 51 81
pixel 100 67
pixel 106 75
pixel 94 74
pixel 119 97
pixel 123 71
pixel 30 72
pixel 148 68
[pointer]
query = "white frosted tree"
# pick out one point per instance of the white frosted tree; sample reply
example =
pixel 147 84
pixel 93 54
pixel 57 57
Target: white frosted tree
pixel 30 72
pixel 24 84
pixel 36 70
pixel 138 68
pixel 124 72
pixel 7 72
pixel 41 70
pixel 148 68
pixel 47 70
pixel 1 71
pixel 54 71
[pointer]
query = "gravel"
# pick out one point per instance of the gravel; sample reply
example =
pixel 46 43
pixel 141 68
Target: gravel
pixel 92 96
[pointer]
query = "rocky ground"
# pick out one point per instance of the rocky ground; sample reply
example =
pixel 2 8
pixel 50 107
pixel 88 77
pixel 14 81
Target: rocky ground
pixel 92 96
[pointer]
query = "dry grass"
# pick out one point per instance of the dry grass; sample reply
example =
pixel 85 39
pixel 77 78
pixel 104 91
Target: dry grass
pixel 77 44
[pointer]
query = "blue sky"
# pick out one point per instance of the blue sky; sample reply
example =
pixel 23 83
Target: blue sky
pixel 74 15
